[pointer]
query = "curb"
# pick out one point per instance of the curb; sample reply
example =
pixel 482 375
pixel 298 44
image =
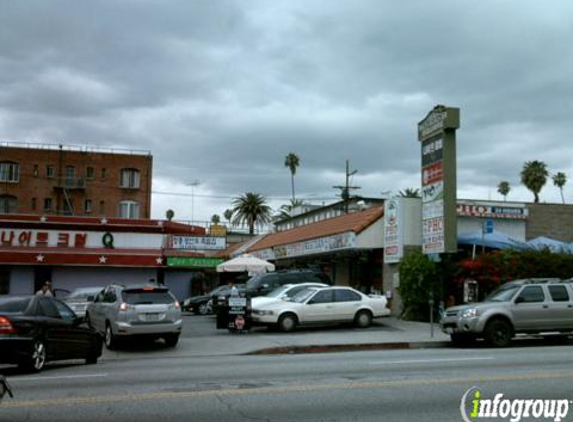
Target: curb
pixel 333 348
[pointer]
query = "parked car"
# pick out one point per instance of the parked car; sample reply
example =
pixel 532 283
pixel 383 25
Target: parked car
pixel 79 299
pixel 121 311
pixel 263 284
pixel 283 293
pixel 38 329
pixel 200 304
pixel 521 306
pixel 320 306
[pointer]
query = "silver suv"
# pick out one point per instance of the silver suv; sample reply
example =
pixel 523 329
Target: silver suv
pixel 530 306
pixel 119 311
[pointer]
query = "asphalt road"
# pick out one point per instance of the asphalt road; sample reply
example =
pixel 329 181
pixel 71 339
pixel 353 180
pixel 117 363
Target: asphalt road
pixel 408 385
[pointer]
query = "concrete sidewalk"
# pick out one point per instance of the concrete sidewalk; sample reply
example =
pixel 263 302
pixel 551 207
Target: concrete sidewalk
pixel 386 333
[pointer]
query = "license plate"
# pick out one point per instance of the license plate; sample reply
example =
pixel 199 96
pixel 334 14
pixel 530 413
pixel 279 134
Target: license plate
pixel 152 317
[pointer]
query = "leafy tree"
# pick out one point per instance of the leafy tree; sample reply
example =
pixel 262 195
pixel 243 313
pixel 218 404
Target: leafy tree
pixel 534 176
pixel 228 214
pixel 292 162
pixel 410 193
pixel 419 280
pixel 559 180
pixel 503 189
pixel 251 208
pixel 286 209
pixel 215 219
pixel 169 214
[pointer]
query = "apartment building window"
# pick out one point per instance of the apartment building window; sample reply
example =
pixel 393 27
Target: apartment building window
pixel 47 204
pixel 88 206
pixel 103 173
pixel 128 209
pixel 34 204
pixel 9 171
pixel 129 178
pixel 35 170
pixel 69 207
pixel 102 207
pixel 90 173
pixel 8 204
pixel 50 172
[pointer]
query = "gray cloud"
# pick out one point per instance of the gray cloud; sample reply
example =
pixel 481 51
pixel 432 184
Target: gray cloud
pixel 221 91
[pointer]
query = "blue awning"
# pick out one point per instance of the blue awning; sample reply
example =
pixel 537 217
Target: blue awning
pixel 494 240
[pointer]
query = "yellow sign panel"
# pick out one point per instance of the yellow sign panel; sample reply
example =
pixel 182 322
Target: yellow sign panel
pixel 217 230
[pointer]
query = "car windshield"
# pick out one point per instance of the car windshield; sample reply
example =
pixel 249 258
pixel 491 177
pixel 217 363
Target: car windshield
pixel 503 294
pixel 301 297
pixel 279 291
pixel 254 281
pixel 16 305
pixel 82 294
pixel 147 297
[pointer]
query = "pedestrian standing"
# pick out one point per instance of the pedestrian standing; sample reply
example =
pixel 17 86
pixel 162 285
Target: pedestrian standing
pixel 46 290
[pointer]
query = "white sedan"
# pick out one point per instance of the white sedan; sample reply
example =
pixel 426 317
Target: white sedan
pixel 283 293
pixel 322 305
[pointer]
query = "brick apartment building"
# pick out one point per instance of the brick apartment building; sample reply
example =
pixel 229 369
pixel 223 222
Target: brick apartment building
pixel 45 179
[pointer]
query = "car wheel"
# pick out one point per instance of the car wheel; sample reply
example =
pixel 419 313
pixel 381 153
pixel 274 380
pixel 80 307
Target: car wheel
pixel 37 358
pixel 203 309
pixel 462 339
pixel 363 319
pixel 498 333
pixel 171 340
pixel 287 323
pixel 110 339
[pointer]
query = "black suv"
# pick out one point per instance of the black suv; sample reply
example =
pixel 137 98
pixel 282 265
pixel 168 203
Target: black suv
pixel 262 284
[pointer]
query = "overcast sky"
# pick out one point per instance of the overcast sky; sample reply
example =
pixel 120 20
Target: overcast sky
pixel 221 91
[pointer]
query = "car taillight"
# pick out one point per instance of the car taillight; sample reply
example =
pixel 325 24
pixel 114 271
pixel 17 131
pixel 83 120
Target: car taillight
pixel 123 307
pixel 6 326
pixel 177 305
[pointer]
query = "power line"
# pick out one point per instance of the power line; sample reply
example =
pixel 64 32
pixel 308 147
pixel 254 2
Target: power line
pixel 233 197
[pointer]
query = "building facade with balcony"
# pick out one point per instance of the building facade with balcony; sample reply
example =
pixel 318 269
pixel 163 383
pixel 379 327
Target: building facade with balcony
pixel 44 179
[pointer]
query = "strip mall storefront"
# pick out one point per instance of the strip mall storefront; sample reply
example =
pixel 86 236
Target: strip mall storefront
pixel 348 248
pixel 74 252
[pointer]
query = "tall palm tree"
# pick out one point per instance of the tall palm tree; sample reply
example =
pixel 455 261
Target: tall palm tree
pixel 559 180
pixel 215 219
pixel 251 208
pixel 534 176
pixel 409 193
pixel 292 162
pixel 503 189
pixel 169 214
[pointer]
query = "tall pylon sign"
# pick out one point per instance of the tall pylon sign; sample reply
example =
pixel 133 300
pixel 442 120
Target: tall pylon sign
pixel 437 135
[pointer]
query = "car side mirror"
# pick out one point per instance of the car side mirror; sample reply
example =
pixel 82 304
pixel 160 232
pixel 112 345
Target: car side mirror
pixel 519 299
pixel 78 321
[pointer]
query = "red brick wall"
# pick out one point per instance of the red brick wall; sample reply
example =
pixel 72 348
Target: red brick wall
pixel 102 188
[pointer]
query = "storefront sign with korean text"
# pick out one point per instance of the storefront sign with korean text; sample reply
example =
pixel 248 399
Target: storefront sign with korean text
pixel 198 242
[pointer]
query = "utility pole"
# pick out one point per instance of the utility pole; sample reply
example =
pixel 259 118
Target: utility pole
pixel 193 185
pixel 345 190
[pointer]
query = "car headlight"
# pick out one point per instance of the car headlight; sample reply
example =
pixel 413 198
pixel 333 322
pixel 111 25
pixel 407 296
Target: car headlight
pixel 470 313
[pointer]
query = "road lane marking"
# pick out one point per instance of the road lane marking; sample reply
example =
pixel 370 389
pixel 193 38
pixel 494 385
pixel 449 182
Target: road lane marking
pixel 356 385
pixel 59 377
pixel 394 362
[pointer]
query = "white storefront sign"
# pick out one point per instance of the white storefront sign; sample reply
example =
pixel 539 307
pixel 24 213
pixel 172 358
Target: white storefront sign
pixel 314 246
pixel 393 231
pixel 198 242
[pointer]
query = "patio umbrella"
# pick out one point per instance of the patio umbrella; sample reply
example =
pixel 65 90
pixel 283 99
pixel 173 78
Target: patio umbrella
pixel 556 246
pixel 245 262
pixel 495 240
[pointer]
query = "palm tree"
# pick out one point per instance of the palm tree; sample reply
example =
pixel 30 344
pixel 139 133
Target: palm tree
pixel 410 193
pixel 228 214
pixel 534 176
pixel 292 162
pixel 286 209
pixel 169 214
pixel 559 180
pixel 503 189
pixel 251 208
pixel 215 219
